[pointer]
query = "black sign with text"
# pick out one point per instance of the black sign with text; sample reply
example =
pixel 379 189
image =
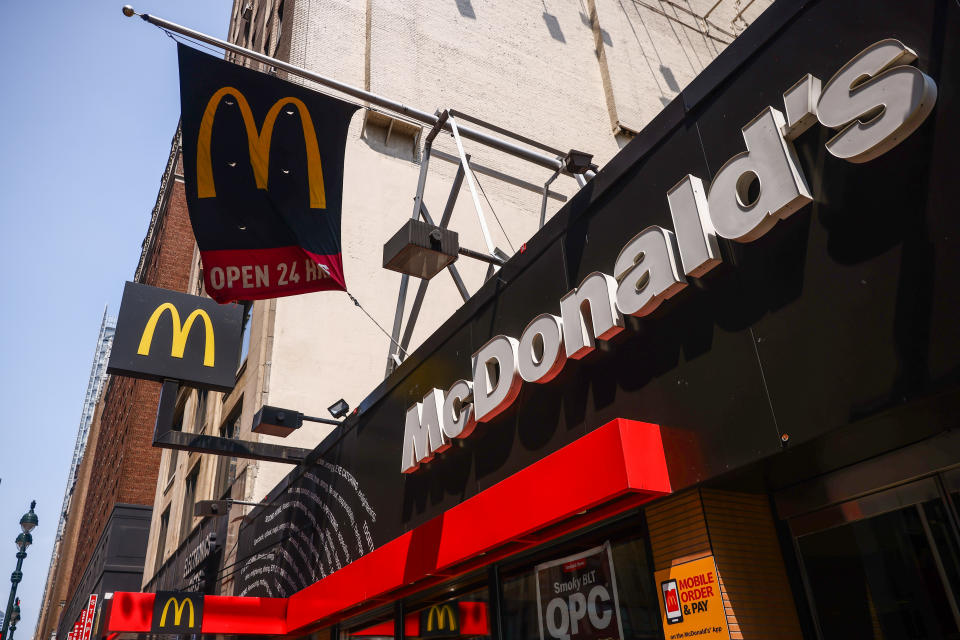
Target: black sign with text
pixel 165 334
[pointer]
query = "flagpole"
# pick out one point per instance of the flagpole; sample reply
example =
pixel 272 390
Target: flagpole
pixel 429 119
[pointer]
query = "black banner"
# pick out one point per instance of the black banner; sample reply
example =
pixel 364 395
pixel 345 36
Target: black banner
pixel 263 167
pixel 163 334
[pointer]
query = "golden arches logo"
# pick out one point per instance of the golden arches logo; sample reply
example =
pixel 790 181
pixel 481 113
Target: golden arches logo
pixel 178 608
pixel 439 614
pixel 180 334
pixel 259 145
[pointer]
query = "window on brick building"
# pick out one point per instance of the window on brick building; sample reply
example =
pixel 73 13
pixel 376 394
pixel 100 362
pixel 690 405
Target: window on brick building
pixel 177 426
pixel 200 412
pixel 189 499
pixel 162 537
pixel 227 466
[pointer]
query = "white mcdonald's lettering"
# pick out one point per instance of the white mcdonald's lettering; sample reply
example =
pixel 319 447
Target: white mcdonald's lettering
pixel 874 101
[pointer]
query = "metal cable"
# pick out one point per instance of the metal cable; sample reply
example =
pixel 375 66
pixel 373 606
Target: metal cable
pixel 185 40
pixel 373 320
pixel 494 212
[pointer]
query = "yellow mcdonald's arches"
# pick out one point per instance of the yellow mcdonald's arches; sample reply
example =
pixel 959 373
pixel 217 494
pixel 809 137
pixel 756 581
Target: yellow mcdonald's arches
pixel 259 144
pixel 178 608
pixel 439 613
pixel 180 334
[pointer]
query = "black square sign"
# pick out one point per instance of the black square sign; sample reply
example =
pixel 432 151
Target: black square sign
pixel 165 334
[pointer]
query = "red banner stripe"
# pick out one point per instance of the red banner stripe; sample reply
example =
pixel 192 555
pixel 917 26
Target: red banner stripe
pixel 256 274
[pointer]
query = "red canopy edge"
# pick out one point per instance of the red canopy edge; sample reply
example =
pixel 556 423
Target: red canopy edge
pixel 133 613
pixel 611 469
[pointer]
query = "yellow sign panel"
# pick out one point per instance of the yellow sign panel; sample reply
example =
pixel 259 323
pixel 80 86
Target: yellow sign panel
pixel 690 601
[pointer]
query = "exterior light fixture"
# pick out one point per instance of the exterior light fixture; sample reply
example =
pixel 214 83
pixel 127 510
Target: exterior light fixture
pixel 214 508
pixel 578 162
pixel 23 541
pixel 420 249
pixel 423 250
pixel 339 409
pixel 275 421
pixel 28 522
pixel 14 619
pixel 29 519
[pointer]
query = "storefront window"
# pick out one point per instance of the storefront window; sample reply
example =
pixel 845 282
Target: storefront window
pixel 466 617
pixel 598 586
pixel 604 590
pixel 886 566
pixel 380 630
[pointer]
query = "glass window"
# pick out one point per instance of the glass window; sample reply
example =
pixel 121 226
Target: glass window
pixel 177 426
pixel 161 539
pixel 598 585
pixel 227 465
pixel 603 587
pixel 200 412
pixel 381 628
pixel 465 616
pixel 883 568
pixel 172 464
pixel 189 499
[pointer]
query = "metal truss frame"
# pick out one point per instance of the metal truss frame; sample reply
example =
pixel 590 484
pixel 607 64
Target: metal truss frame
pixel 165 437
pixel 447 119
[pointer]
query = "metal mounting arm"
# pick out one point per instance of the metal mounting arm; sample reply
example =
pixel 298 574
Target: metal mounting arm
pixel 166 438
pixel 391 105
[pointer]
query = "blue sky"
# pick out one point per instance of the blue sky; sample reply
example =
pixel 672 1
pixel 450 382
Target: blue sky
pixel 89 103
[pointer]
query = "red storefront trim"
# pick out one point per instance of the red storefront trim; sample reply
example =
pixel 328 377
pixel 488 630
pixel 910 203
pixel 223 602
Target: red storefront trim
pixel 133 613
pixel 613 468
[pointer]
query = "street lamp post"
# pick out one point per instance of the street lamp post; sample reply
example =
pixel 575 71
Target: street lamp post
pixel 14 618
pixel 24 540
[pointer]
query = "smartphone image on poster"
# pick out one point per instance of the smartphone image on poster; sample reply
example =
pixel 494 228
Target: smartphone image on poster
pixel 671 601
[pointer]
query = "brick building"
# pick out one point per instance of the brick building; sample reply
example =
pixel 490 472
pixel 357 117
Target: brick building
pixel 106 533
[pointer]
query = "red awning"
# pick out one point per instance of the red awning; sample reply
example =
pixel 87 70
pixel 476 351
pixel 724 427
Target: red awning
pixel 620 465
pixel 133 613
